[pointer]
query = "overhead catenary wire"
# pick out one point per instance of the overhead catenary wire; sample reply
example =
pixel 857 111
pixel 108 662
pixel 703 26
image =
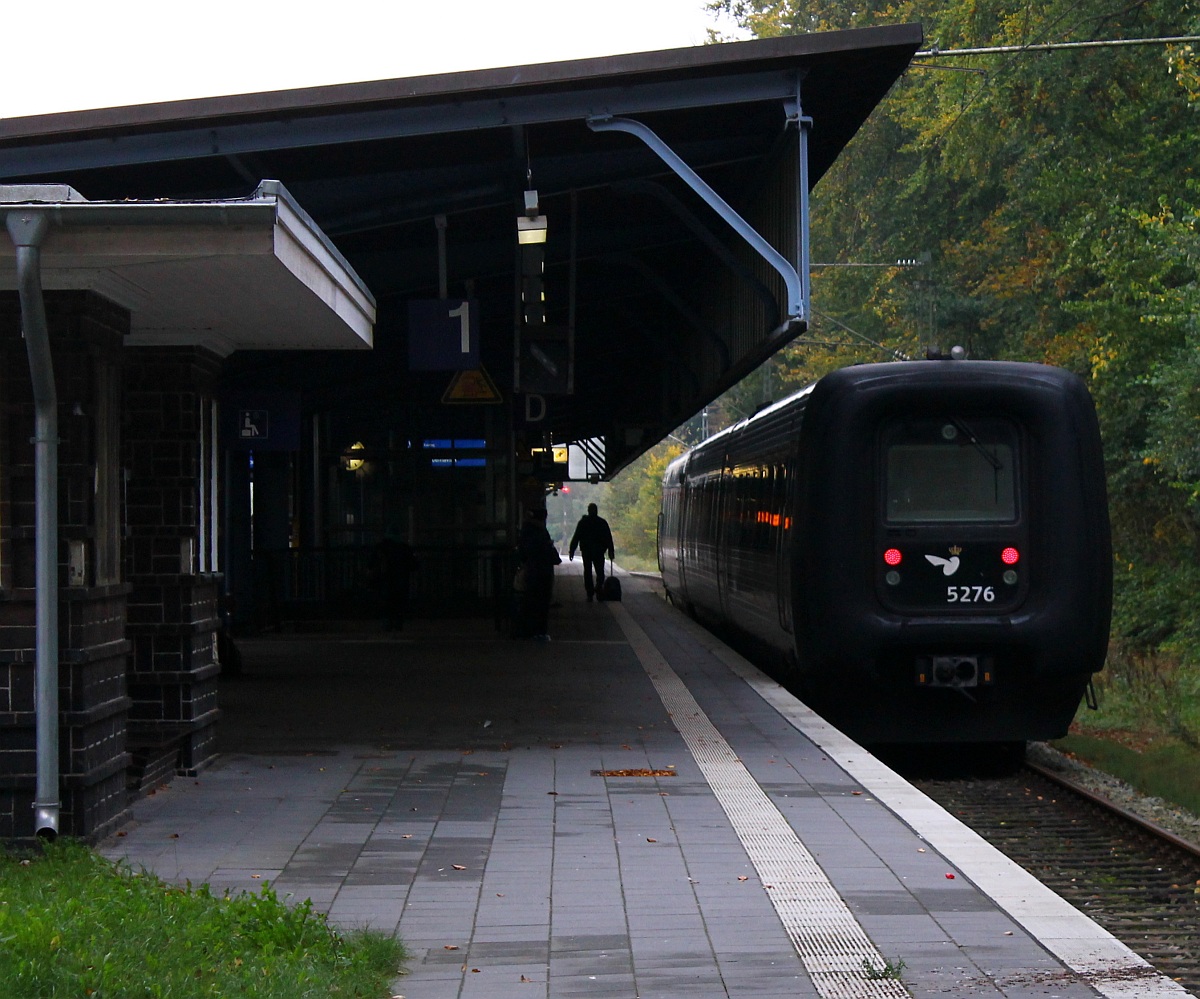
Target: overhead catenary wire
pixel 936 52
pixel 899 355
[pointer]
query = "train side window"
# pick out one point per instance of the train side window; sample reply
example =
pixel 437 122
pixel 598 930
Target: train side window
pixel 950 470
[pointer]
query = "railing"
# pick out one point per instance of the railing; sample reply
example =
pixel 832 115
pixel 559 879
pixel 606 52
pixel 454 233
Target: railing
pixel 349 583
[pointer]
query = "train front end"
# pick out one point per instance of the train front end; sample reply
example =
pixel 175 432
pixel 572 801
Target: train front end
pixel 955 569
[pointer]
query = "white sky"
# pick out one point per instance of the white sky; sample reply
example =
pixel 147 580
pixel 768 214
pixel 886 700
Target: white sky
pixel 74 55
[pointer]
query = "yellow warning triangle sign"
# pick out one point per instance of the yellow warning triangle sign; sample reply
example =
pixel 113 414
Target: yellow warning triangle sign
pixel 473 385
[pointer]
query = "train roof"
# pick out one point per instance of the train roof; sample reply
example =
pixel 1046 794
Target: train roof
pixel 855 376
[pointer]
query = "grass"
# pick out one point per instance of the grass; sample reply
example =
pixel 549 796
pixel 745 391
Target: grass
pixel 73 924
pixel 890 970
pixel 1163 767
pixel 1147 728
pixel 637 563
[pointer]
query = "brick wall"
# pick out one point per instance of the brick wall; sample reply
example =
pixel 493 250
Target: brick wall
pixel 172 609
pixel 86 333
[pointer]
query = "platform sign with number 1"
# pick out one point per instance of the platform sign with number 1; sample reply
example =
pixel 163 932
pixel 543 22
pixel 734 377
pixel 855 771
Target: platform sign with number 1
pixel 443 334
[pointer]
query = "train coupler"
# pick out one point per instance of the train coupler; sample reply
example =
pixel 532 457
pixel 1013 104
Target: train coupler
pixel 956 672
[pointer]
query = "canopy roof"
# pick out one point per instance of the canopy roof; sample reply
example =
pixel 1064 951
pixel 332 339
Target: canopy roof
pixel 228 275
pixel 667 306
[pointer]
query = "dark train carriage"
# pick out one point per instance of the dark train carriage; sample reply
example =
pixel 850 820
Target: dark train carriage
pixel 924 545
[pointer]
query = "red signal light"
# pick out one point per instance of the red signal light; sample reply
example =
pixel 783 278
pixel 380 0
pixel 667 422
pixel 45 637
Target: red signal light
pixel 1010 556
pixel 892 556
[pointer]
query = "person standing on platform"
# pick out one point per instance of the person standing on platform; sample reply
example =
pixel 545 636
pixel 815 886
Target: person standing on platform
pixel 593 538
pixel 538 559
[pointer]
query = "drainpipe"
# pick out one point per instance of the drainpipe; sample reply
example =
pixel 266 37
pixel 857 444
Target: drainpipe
pixel 27 229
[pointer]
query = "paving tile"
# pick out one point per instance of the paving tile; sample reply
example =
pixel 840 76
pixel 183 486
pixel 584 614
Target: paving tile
pixel 374 788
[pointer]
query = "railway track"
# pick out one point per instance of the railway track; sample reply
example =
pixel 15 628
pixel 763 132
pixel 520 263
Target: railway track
pixel 1140 883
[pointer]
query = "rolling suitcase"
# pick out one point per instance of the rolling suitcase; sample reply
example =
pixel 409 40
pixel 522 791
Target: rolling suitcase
pixel 611 590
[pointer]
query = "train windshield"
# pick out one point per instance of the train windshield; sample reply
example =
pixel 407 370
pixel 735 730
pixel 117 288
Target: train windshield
pixel 950 470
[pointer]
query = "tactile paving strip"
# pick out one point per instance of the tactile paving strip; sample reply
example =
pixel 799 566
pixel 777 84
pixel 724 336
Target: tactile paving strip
pixel 834 948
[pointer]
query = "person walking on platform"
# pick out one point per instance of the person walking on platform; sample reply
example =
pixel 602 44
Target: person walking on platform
pixel 538 559
pixel 593 538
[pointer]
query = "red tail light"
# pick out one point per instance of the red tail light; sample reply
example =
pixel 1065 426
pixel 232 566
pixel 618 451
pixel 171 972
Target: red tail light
pixel 1010 556
pixel 892 556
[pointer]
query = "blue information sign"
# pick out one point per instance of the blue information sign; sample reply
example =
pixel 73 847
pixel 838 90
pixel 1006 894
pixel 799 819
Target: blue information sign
pixel 443 334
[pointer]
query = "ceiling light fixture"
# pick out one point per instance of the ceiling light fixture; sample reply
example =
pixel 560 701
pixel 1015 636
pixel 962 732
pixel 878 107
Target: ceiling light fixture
pixel 531 227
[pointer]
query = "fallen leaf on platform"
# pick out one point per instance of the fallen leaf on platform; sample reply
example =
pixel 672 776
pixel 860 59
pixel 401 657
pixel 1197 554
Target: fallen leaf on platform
pixel 458 867
pixel 450 947
pixel 651 840
pixel 742 877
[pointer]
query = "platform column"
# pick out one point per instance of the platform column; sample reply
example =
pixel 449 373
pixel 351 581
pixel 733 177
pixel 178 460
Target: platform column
pixel 85 341
pixel 173 615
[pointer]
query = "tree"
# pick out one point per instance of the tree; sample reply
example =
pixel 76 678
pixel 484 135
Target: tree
pixel 1052 196
pixel 634 499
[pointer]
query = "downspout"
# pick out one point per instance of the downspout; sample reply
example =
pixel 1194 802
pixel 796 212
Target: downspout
pixel 27 229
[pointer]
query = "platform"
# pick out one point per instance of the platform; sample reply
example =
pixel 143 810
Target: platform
pixel 628 810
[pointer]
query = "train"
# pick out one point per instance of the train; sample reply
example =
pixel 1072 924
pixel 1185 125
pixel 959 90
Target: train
pixel 920 550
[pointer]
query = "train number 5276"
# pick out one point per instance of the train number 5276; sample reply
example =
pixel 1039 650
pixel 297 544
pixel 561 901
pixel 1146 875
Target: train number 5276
pixel 970 594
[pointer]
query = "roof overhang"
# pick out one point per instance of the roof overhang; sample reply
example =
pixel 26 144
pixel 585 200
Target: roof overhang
pixel 255 273
pixel 420 181
pixel 842 74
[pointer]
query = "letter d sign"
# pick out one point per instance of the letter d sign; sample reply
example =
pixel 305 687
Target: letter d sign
pixel 535 408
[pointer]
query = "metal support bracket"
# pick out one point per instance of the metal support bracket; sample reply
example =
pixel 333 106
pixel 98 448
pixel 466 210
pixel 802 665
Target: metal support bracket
pixel 803 123
pixel 797 299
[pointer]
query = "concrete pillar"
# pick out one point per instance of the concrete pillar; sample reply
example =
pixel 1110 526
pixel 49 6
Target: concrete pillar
pixel 85 335
pixel 173 616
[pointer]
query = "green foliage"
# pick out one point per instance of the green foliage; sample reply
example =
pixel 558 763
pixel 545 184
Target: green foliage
pixel 1155 691
pixel 1054 200
pixel 889 971
pixel 634 499
pixel 73 925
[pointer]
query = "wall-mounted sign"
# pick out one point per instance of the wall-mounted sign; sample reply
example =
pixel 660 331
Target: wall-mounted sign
pixel 472 386
pixel 260 421
pixel 254 424
pixel 546 362
pixel 443 334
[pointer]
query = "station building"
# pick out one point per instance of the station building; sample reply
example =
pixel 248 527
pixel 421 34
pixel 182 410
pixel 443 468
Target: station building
pixel 246 340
